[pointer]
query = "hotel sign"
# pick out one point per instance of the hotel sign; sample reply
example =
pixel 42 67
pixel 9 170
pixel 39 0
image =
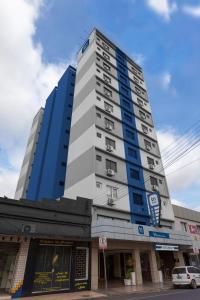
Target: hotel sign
pixel 159 247
pixel 159 234
pixel 154 208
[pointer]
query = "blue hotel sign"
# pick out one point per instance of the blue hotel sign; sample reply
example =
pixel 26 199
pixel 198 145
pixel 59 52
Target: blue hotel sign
pixel 159 234
pixel 154 208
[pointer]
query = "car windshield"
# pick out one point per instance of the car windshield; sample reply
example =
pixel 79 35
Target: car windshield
pixel 179 271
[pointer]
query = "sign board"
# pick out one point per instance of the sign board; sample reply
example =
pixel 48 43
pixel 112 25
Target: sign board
pixel 140 229
pixel 154 208
pixel 159 247
pixel 159 234
pixel 103 243
pixel 195 250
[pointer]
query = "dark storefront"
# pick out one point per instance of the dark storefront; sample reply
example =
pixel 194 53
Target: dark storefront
pixel 58 256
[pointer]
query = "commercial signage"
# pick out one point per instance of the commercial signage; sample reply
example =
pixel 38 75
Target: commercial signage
pixel 159 234
pixel 154 208
pixel 103 243
pixel 159 247
pixel 193 229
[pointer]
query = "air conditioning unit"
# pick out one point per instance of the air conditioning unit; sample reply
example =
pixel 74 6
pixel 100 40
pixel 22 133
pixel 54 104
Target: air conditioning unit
pixel 108 109
pixel 151 166
pixel 110 172
pixel 148 148
pixel 154 187
pixel 110 201
pixel 108 127
pixel 28 228
pixel 109 148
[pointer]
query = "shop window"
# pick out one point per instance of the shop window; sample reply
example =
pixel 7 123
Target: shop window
pixel 81 263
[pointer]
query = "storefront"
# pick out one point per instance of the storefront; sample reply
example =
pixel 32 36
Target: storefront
pixel 150 252
pixel 44 246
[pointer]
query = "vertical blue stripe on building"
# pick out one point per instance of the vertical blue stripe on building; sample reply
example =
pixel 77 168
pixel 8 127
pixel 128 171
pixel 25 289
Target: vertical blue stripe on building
pixel 136 187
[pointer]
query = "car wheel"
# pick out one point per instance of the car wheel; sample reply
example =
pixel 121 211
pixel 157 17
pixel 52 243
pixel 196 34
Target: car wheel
pixel 193 284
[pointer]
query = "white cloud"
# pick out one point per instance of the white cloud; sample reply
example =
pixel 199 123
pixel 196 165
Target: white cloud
pixel 180 177
pixel 25 82
pixel 165 79
pixel 178 202
pixel 139 58
pixel 193 11
pixel 164 8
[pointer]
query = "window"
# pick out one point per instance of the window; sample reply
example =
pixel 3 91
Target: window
pixel 98 115
pixel 98 135
pixel 98 98
pixel 140 102
pixel 98 71
pixel 81 263
pixel 144 129
pixel 160 181
pixel 98 83
pixel 142 114
pixel 137 199
pixel 134 70
pixel 106 67
pixel 128 118
pixel 112 165
pixel 137 91
pixel 132 152
pixel 136 79
pixel 65 146
pixel 153 181
pixel 98 184
pixel 150 161
pixel 108 107
pixel 106 56
pixel 61 183
pixel 98 157
pixel 122 78
pixel 184 226
pixel 124 90
pixel 130 134
pixel 111 191
pixel 68 118
pixel 63 164
pixel 105 46
pixel 121 67
pixel 126 104
pixel 110 142
pixel 109 124
pixel 106 79
pixel 134 174
pixel 107 92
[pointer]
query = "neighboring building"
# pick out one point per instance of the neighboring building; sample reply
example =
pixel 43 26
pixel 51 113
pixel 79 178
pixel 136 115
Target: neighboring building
pixel 113 145
pixel 26 168
pixel 44 246
pixel 45 177
pixel 114 159
pixel 188 220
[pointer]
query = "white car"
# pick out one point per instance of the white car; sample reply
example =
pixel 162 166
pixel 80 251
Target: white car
pixel 186 275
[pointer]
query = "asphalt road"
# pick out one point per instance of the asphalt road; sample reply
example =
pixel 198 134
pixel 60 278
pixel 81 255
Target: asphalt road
pixel 177 294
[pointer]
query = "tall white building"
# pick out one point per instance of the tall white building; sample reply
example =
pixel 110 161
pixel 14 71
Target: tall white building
pixel 114 157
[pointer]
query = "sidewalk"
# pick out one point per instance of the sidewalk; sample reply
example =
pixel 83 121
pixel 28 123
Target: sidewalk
pixel 102 293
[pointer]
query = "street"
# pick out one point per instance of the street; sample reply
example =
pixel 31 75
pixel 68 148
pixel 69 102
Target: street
pixel 182 294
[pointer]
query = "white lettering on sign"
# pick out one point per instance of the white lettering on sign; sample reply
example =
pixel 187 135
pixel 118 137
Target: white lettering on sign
pixel 103 243
pixel 153 199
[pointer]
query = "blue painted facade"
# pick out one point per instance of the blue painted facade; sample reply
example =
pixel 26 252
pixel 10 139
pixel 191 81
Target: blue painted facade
pixel 49 166
pixel 136 185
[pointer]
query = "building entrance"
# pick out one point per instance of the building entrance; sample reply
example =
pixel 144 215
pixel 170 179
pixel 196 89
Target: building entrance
pixel 166 263
pixel 145 266
pixel 8 253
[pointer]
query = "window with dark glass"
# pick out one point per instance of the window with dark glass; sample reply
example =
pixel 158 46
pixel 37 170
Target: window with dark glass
pixel 128 118
pixel 106 67
pixel 122 78
pixel 150 161
pixel 137 199
pixel 98 157
pixel 142 114
pixel 130 134
pixel 105 46
pixel 144 129
pixel 106 78
pixel 153 181
pixel 98 135
pixel 137 91
pixel 124 90
pixel 134 174
pixel 126 104
pixel 112 165
pixel 147 145
pixel 108 107
pixel 106 56
pixel 132 152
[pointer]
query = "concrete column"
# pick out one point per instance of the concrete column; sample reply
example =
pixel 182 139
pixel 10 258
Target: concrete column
pixel 94 266
pixel 19 271
pixel 179 258
pixel 153 266
pixel 137 264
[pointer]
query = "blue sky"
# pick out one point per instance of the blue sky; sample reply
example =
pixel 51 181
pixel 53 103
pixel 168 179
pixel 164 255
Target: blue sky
pixel 161 35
